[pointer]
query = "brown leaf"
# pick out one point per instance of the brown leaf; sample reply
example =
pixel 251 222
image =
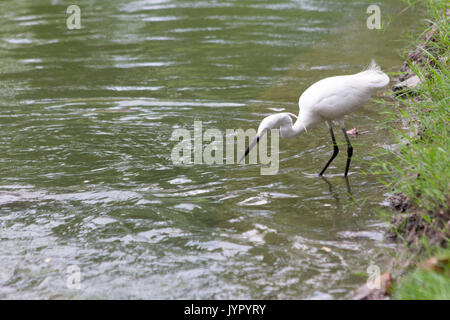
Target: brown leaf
pixel 435 264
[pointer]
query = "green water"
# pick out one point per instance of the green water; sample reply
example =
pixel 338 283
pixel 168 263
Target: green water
pixel 87 180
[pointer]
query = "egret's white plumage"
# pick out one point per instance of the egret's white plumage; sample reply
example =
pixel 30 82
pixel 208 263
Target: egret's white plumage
pixel 326 100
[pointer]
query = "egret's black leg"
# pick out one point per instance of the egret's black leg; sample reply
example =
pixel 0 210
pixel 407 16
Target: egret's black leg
pixel 347 183
pixel 335 151
pixel 349 151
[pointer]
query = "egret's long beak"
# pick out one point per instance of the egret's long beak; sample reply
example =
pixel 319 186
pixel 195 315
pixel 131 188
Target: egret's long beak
pixel 250 147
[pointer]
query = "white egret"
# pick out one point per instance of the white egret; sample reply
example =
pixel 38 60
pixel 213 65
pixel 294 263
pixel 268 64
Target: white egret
pixel 327 100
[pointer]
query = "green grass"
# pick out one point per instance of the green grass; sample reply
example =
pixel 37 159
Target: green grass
pixel 423 284
pixel 420 168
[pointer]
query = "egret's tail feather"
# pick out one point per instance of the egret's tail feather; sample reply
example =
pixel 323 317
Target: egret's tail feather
pixel 373 77
pixel 373 66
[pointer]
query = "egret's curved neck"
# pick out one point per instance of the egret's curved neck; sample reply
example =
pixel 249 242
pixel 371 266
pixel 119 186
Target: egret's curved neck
pixel 300 126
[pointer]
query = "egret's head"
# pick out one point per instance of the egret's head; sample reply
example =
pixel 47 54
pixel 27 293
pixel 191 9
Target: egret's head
pixel 279 120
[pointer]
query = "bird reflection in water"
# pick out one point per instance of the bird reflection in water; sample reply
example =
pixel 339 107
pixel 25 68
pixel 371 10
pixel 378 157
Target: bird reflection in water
pixel 335 194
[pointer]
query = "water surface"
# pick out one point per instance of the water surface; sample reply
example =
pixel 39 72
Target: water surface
pixel 86 179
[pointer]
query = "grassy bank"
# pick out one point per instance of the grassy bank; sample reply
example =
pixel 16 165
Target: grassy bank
pixel 419 172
